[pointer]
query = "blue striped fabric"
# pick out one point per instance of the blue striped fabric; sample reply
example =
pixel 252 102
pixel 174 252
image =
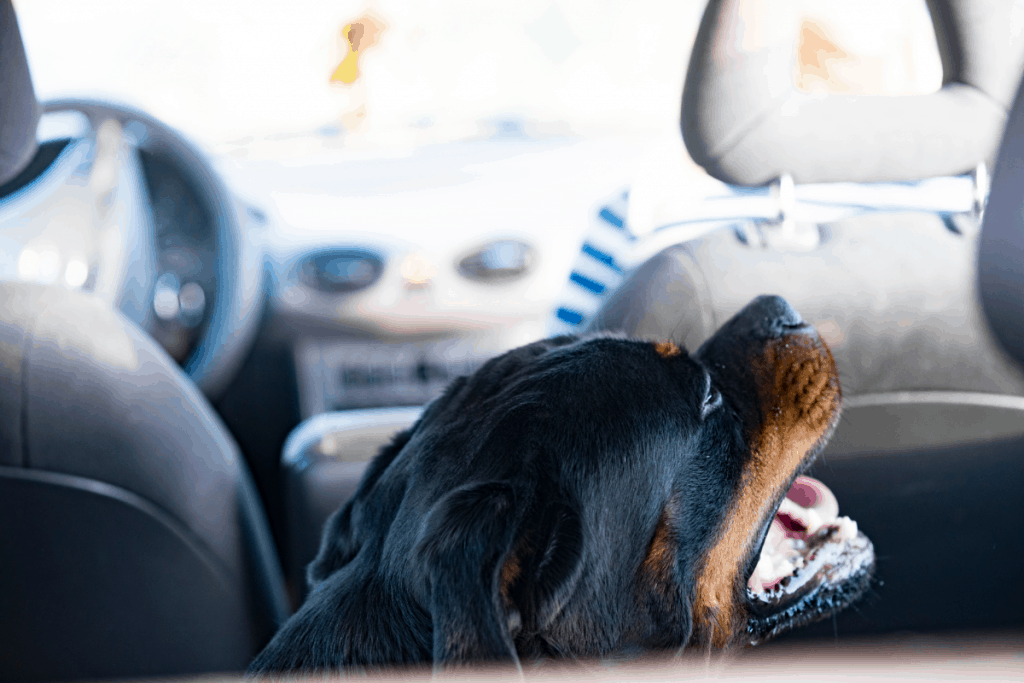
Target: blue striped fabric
pixel 596 272
pixel 608 217
pixel 588 284
pixel 569 317
pixel 595 253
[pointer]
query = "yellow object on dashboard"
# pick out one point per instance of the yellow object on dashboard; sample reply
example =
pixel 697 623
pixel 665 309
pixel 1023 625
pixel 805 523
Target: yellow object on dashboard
pixel 359 35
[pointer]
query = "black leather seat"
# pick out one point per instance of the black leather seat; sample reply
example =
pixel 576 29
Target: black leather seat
pixel 18 113
pixel 1001 246
pixel 132 542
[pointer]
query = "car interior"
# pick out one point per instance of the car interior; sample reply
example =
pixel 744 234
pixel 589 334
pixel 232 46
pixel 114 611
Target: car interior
pixel 173 437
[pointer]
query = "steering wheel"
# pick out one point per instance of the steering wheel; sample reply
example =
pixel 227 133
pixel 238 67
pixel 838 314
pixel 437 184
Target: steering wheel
pixel 223 330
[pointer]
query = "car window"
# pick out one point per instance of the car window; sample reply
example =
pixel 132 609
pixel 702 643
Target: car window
pixel 287 79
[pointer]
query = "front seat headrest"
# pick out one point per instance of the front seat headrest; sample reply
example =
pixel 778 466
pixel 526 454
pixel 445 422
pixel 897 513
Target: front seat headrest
pixel 744 121
pixel 19 110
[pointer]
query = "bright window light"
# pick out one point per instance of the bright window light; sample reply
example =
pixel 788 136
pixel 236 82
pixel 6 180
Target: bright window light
pixel 76 273
pixel 49 267
pixel 28 264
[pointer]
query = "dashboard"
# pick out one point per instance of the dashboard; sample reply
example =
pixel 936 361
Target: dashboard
pixel 391 275
pixel 346 374
pixel 384 276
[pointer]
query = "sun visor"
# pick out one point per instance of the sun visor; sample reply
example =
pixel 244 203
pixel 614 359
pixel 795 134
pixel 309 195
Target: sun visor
pixel 19 110
pixel 746 121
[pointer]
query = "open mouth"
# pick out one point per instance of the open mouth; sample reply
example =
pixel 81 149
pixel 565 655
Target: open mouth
pixel 812 564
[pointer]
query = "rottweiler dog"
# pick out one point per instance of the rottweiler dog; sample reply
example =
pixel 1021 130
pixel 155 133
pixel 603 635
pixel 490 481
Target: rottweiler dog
pixel 589 497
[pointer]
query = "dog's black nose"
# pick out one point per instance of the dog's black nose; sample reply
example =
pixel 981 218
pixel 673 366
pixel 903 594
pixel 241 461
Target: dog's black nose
pixel 771 316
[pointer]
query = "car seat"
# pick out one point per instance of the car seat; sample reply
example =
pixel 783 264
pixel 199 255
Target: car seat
pixel 932 435
pixel 18 113
pixel 132 541
pixel 746 123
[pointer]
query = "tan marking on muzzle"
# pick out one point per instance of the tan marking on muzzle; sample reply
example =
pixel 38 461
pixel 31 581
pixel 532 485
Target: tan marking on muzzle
pixel 798 390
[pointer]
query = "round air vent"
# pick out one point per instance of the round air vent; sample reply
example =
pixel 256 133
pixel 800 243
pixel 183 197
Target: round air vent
pixel 498 261
pixel 341 270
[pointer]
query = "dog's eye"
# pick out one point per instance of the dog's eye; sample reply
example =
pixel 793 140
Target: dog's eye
pixel 712 399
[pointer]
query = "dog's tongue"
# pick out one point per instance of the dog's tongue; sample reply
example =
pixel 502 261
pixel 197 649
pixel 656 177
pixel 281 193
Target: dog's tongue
pixel 809 508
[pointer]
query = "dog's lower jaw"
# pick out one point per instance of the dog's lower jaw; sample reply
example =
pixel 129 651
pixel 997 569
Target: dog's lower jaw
pixel 797 386
pixel 719 617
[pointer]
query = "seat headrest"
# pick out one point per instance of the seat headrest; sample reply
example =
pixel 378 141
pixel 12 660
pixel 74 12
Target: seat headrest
pixel 19 110
pixel 746 123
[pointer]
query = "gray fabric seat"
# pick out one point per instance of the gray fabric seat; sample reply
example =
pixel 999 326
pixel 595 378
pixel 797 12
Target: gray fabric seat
pixel 133 541
pixel 739 123
pixel 894 294
pixel 932 432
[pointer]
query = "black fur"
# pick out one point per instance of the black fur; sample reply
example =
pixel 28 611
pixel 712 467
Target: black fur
pixel 519 517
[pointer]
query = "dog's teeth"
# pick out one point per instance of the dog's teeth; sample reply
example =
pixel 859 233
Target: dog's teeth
pixel 775 538
pixel 784 568
pixel 761 572
pixel 779 558
pixel 809 504
pixel 847 529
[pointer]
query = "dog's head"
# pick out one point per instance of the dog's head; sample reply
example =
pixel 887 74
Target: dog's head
pixel 595 496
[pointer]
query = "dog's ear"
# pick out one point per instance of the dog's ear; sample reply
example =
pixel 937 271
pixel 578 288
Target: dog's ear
pixel 462 548
pixel 539 580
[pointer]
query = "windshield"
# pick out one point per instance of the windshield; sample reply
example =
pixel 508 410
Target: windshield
pixel 271 79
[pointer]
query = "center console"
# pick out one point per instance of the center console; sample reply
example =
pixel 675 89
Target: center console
pixel 338 374
pixel 323 462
